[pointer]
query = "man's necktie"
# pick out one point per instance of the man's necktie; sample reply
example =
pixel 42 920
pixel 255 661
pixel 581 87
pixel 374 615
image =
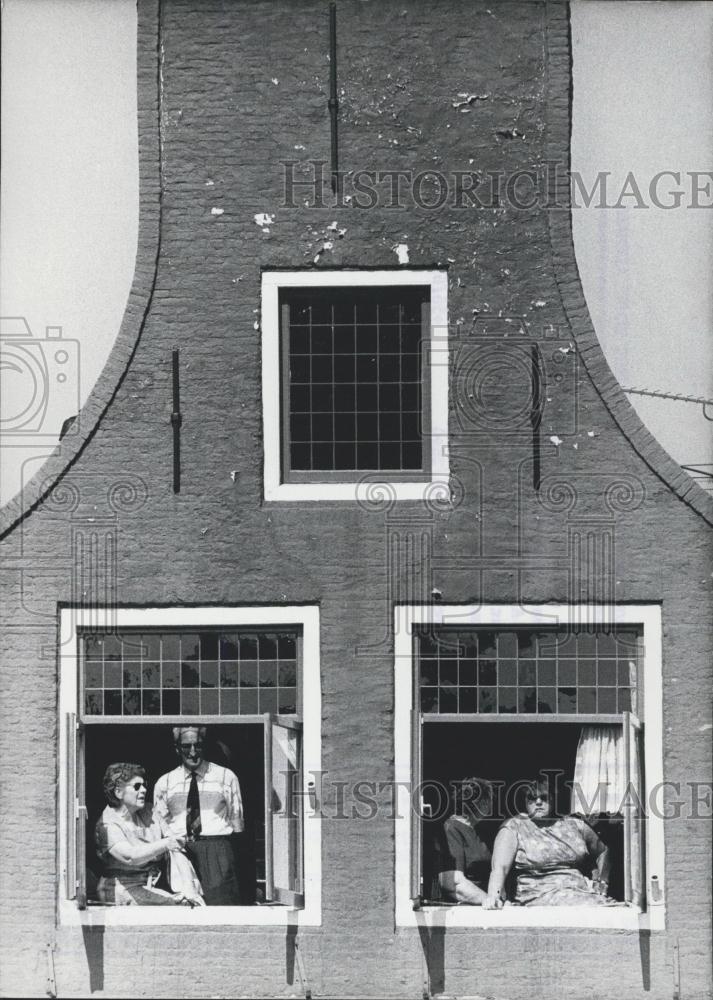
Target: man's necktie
pixel 193 809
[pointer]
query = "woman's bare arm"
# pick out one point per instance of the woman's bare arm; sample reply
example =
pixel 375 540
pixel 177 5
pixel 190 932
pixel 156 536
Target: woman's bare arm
pixel 504 852
pixel 600 853
pixel 138 854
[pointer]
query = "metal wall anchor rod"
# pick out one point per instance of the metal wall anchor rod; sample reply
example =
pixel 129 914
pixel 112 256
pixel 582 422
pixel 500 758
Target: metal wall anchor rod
pixel 536 417
pixel 333 102
pixel 176 421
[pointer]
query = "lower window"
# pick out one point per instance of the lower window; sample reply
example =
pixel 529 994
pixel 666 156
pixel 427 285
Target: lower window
pixel 221 701
pixel 504 698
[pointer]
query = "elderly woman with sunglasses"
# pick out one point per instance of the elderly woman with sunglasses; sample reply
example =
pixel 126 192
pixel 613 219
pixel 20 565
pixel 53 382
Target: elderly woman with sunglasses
pixel 129 844
pixel 559 861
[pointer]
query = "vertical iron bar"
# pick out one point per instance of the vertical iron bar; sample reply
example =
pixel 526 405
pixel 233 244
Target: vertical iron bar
pixel 333 103
pixel 535 417
pixel 176 421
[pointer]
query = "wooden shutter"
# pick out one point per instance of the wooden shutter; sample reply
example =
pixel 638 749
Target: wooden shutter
pixel 416 812
pixel 633 809
pixel 284 865
pixel 76 865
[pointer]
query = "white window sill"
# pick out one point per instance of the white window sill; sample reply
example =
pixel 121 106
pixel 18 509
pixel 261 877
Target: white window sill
pixel 368 494
pixel 615 917
pixel 185 916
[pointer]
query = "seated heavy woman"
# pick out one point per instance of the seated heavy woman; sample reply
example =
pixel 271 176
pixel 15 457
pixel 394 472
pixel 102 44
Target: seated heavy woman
pixel 551 856
pixel 129 844
pixel 463 858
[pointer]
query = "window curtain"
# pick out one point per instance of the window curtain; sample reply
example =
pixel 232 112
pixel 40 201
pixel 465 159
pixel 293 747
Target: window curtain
pixel 599 771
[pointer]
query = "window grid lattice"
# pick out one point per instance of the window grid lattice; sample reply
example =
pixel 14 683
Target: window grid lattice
pixel 527 671
pixel 355 372
pixel 190 673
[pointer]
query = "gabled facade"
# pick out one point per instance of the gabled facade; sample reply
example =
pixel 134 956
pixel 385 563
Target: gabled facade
pixel 358 491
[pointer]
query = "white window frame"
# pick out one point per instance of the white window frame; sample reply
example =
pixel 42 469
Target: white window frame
pixel 306 616
pixel 406 619
pixel 272 282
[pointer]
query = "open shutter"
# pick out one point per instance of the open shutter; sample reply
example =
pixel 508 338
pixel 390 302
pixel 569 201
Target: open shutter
pixel 416 810
pixel 76 814
pixel 284 873
pixel 633 808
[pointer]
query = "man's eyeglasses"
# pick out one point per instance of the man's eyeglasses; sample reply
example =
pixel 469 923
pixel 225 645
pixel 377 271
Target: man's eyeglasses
pixel 187 747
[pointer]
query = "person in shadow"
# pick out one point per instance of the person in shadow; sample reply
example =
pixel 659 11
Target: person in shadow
pixel 463 858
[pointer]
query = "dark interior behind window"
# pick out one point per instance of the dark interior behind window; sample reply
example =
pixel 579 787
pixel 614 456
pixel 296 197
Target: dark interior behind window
pixel 354 395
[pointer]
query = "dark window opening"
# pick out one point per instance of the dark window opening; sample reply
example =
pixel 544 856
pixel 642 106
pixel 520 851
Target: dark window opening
pixel 239 748
pixel 355 395
pixel 506 754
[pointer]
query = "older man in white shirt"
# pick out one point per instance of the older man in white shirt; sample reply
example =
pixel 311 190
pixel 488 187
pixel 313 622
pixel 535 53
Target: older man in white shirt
pixel 202 801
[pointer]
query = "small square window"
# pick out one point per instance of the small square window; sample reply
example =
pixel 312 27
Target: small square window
pixel 487 672
pixel 151 702
pixel 93 703
pixel 209 674
pixel 527 700
pixel 547 700
pixel 229 672
pixel 132 675
pixel 112 675
pixel 468 671
pixel 487 699
pixel 468 699
pixel 112 702
pixel 353 344
pixel 526 673
pixel 507 697
pixel 209 702
pixel 171 702
pixel 94 675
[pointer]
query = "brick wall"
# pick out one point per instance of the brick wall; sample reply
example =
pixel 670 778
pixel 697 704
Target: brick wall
pixel 225 128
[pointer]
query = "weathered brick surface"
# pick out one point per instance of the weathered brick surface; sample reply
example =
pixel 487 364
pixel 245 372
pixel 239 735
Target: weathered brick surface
pixel 401 67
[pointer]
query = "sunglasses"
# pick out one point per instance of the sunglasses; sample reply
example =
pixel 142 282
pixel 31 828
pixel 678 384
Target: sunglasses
pixel 136 785
pixel 190 746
